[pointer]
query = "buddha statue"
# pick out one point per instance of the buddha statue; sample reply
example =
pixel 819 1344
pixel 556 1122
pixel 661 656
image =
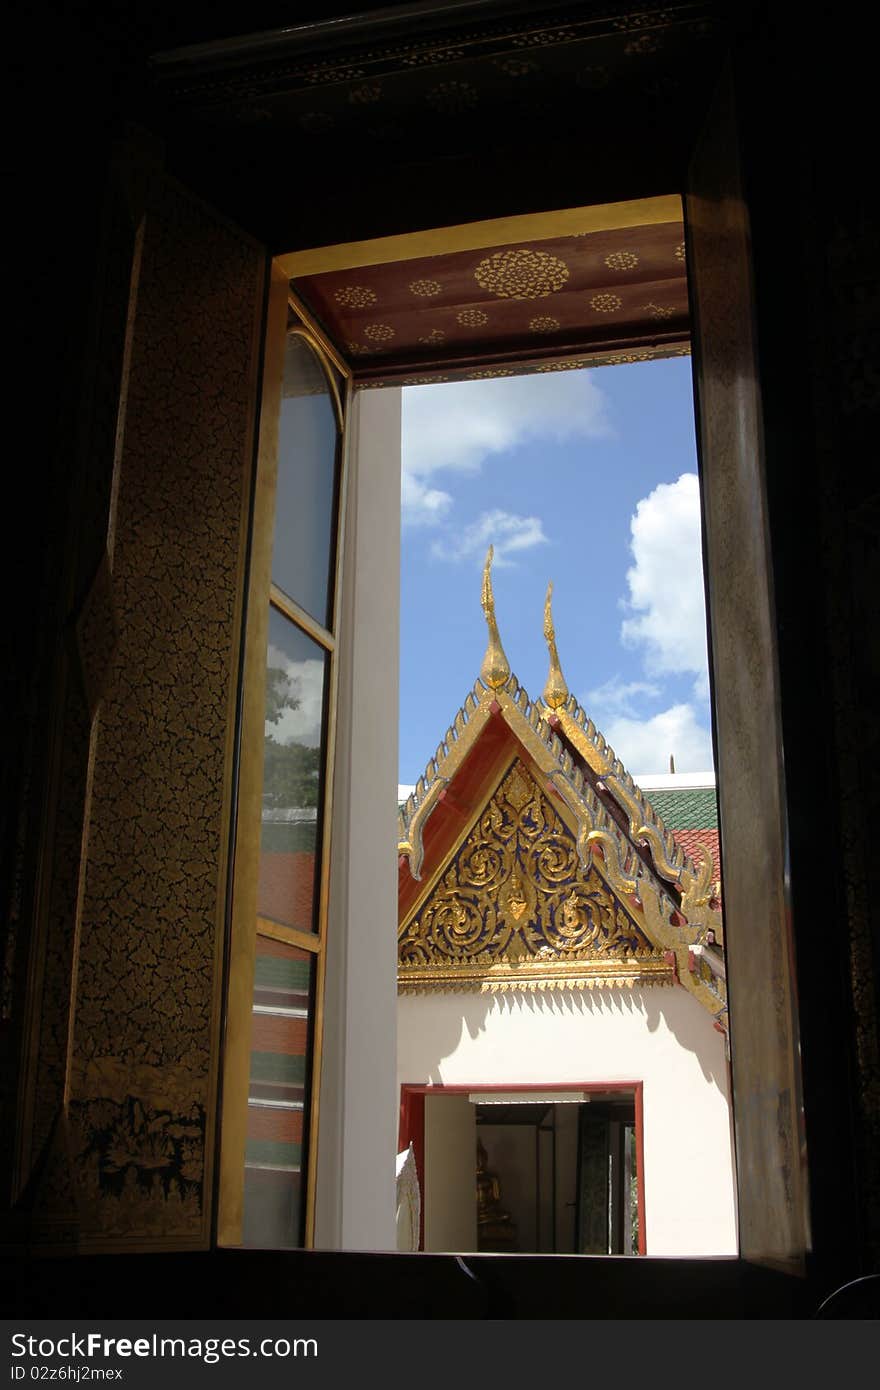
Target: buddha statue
pixel 496 1229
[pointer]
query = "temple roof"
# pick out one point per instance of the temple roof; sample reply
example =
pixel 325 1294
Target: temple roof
pixel 688 806
pixel 691 808
pixel 530 858
pixel 689 811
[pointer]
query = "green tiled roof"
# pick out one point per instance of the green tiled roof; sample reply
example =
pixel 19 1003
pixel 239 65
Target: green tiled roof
pixel 695 809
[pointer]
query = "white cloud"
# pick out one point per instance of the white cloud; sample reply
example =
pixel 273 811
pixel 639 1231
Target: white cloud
pixel 644 742
pixel 644 745
pixel 422 506
pixel 456 426
pixel 667 623
pixel 617 697
pixel 507 532
pixel 666 583
pixel 306 686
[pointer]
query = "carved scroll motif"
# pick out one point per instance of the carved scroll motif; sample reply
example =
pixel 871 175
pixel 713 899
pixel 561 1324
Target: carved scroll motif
pixel 516 892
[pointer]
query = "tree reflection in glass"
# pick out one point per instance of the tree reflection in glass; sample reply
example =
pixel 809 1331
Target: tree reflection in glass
pixel 293 758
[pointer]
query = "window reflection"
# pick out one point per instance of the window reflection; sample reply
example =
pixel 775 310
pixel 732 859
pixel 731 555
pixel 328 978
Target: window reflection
pixel 307 464
pixel 287 744
pixel 296 674
pixel 277 1095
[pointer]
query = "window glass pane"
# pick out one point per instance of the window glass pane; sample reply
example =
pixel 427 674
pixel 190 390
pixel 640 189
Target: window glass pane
pixel 305 501
pixel 280 1060
pixel 296 679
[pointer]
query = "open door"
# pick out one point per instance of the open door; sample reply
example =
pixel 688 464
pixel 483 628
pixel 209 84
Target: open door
pixel 759 947
pixel 450 1173
pixel 126 995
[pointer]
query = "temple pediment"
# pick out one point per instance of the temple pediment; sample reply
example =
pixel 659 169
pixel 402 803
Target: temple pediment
pixel 513 905
pixel 529 859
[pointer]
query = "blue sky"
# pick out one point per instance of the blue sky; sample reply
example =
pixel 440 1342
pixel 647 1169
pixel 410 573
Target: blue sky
pixel 587 478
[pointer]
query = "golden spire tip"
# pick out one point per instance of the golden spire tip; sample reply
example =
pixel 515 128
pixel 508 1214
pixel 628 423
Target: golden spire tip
pixel 495 668
pixel 556 690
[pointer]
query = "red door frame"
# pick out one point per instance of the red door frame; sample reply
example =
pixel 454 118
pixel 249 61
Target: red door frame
pixel 412 1128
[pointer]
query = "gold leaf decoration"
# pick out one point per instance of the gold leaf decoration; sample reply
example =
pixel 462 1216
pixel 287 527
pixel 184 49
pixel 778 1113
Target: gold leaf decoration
pixel 680 251
pixel 606 303
pixel 660 311
pixel 495 668
pixel 472 318
pixel 645 43
pixel 365 94
pixel 332 72
pixel 544 38
pixel 141 1042
pixel 622 260
pixel 434 338
pixel 452 98
pixel 427 289
pixel 617 359
pixel 521 274
pixel 379 332
pixel 515 892
pixel 515 67
pixel 544 323
pixel 555 689
pixel 429 57
pixel 355 297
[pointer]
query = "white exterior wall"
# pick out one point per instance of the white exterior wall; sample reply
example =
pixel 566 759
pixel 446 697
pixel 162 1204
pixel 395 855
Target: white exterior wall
pixel 659 1036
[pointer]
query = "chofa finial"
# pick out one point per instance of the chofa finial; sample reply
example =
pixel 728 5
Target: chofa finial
pixel 495 668
pixel 556 690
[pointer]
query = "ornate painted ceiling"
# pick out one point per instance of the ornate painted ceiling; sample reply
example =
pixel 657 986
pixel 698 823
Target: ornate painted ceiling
pixel 478 105
pixel 584 298
pixel 418 81
pixel 470 105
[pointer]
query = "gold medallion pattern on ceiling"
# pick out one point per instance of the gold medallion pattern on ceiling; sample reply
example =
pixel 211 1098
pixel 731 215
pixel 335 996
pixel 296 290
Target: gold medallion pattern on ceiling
pixel 516 893
pixel 355 297
pixel 591 294
pixel 525 273
pixel 474 56
pixel 622 260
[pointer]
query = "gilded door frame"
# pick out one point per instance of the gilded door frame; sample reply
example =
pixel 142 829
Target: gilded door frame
pixel 245 922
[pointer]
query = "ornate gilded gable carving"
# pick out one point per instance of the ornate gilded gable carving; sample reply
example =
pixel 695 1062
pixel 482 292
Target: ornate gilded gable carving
pixel 516 908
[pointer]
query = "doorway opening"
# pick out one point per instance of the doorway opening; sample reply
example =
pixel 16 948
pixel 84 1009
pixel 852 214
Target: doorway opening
pixel 557 1175
pixel 529 1171
pixel 585 761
